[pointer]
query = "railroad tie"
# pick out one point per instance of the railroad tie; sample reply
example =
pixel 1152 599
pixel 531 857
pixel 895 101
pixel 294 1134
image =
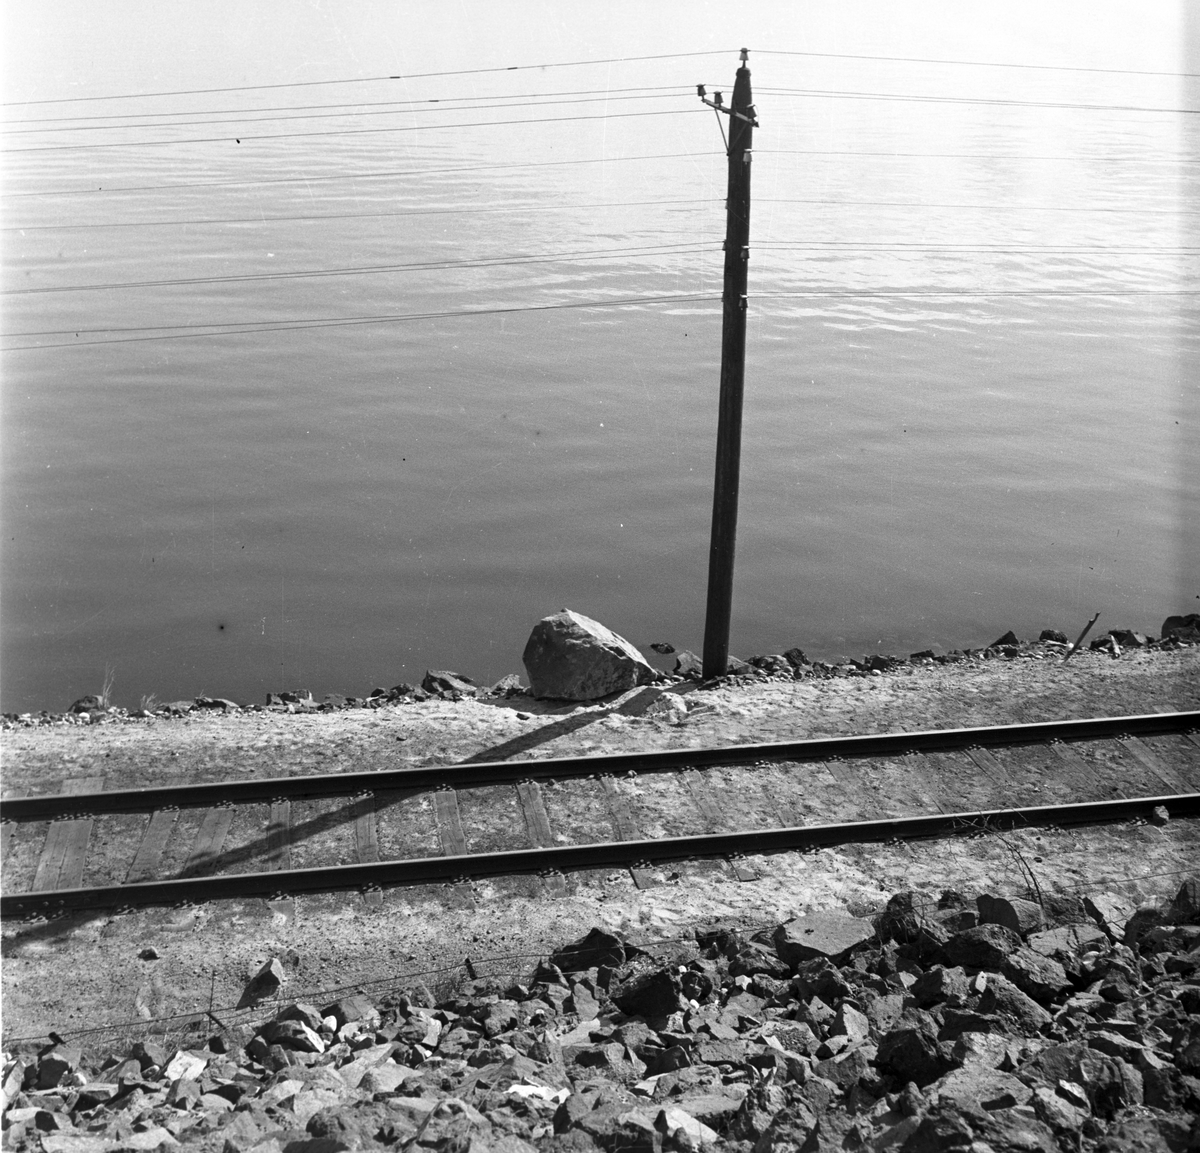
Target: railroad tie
pixel 537 824
pixel 449 822
pixel 1074 759
pixel 1151 761
pixel 366 840
pixel 921 775
pixel 210 840
pixel 625 828
pixel 147 862
pixel 986 761
pixel 279 852
pixel 60 865
pixel 705 800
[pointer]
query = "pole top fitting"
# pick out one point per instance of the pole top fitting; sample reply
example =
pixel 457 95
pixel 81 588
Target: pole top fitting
pixel 745 55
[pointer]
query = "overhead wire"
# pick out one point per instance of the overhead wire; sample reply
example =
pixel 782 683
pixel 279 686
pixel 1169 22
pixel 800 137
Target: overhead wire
pixel 868 293
pixel 348 131
pixel 840 246
pixel 429 106
pixel 510 261
pixel 341 176
pixel 355 104
pixel 979 207
pixel 368 79
pixel 624 253
pixel 458 210
pixel 586 63
pixel 975 63
pixel 1158 158
pixel 795 93
pixel 841 94
pixel 236 328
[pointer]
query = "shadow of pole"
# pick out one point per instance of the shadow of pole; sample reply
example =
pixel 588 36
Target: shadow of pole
pixel 631 704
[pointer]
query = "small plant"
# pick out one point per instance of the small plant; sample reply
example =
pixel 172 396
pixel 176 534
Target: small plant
pixel 110 676
pixel 149 702
pixel 1032 886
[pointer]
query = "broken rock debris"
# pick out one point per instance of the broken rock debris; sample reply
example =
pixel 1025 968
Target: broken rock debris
pixel 923 1029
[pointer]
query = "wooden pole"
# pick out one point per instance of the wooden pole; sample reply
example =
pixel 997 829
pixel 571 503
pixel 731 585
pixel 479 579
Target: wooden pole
pixel 733 372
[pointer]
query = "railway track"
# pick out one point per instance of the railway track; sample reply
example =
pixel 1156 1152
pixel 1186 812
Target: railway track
pixel 88 847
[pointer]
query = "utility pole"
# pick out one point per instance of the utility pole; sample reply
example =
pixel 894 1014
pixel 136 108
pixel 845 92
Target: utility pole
pixel 733 371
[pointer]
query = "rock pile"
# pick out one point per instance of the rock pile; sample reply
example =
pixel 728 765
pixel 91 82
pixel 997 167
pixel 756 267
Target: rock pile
pixel 984 1025
pixel 1178 632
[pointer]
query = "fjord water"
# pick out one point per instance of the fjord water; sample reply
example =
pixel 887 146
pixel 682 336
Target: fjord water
pixel 970 347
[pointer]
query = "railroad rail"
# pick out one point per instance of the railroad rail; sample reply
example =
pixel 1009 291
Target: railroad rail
pixel 70 818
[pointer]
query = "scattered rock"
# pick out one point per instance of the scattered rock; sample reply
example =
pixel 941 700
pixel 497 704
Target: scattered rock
pixel 572 657
pixel 597 948
pixel 1021 916
pixel 647 991
pixel 983 947
pixel 1182 628
pixel 830 935
pixel 867 1046
pixel 452 686
pixel 688 664
pixel 663 647
pixel 264 984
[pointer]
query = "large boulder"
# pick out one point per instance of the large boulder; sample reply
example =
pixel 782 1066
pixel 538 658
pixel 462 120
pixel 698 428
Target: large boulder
pixel 574 658
pixel 1183 628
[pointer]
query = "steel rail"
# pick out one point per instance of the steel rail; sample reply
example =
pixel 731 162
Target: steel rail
pixel 476 773
pixel 427 870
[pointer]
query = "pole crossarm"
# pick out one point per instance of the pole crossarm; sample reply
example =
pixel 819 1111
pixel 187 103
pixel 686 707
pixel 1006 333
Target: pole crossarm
pixel 721 107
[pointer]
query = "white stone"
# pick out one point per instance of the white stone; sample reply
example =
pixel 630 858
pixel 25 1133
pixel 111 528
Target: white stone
pixel 184 1066
pixel 675 1119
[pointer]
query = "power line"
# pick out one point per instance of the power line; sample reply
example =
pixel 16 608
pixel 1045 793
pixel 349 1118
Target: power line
pixel 181 332
pixel 983 207
pixel 840 94
pixel 387 174
pixel 626 253
pixel 431 106
pixel 585 63
pixel 982 293
pixel 230 329
pixel 328 107
pixel 350 131
pixel 367 79
pixel 1094 158
pixel 837 246
pixel 976 63
pixel 470 210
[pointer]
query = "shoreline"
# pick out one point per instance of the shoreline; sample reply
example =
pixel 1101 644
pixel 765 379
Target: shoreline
pixel 792 664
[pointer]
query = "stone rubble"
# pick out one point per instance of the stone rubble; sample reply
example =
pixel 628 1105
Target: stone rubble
pixel 988 1025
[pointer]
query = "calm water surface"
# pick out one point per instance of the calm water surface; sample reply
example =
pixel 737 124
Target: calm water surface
pixel 969 352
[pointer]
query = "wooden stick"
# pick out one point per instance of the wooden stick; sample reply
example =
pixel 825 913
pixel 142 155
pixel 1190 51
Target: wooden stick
pixel 1079 640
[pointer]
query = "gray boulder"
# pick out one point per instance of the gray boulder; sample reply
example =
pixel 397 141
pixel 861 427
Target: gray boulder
pixel 574 658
